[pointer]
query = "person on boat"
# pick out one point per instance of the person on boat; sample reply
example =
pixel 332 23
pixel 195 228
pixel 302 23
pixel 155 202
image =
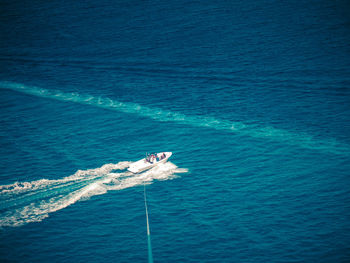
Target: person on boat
pixel 148 158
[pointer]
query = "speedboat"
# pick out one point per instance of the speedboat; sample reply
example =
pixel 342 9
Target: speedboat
pixel 149 162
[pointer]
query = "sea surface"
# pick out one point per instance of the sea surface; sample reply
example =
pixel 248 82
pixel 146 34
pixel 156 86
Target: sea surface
pixel 252 98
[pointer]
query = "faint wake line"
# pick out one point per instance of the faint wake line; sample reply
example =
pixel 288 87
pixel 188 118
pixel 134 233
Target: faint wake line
pixel 302 139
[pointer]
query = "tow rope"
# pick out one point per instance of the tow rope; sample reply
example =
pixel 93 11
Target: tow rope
pixel 150 256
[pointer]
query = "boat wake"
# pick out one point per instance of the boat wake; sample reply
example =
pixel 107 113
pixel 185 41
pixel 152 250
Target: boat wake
pixel 300 139
pixel 25 202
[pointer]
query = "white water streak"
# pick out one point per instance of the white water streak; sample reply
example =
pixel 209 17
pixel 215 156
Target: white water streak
pixel 25 202
pixel 300 139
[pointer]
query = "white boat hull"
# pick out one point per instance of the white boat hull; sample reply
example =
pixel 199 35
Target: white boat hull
pixel 143 165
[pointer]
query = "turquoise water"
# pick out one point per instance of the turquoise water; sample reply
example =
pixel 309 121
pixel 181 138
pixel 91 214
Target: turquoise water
pixel 253 100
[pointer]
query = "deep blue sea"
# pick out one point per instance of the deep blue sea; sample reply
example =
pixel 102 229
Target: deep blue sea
pixel 252 98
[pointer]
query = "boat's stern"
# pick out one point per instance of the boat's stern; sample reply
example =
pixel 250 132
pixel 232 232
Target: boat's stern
pixel 133 170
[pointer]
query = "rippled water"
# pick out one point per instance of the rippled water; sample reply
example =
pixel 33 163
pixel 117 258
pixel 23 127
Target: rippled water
pixel 252 99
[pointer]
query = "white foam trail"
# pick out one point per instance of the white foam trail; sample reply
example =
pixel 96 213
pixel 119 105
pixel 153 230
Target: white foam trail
pixel 22 187
pixel 27 202
pixel 290 138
